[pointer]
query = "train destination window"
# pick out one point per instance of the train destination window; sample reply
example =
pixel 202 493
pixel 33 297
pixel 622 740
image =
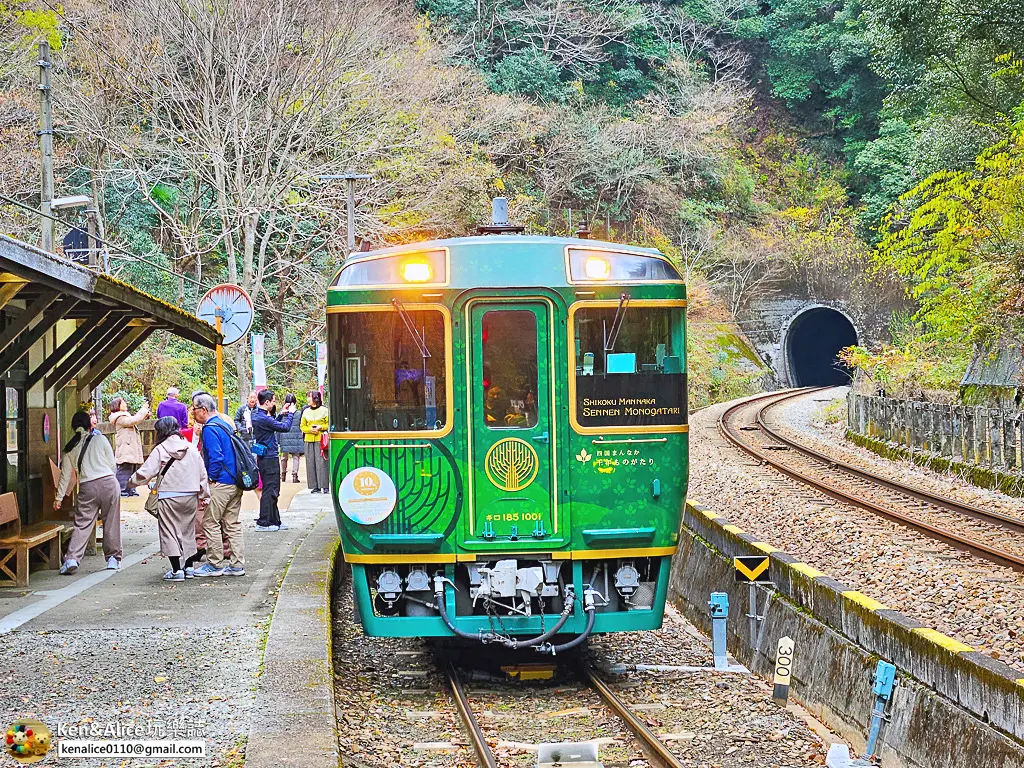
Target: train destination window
pixel 393 368
pixel 590 265
pixel 629 366
pixel 509 342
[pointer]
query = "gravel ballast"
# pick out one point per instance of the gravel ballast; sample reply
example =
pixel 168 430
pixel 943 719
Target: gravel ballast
pixel 393 706
pixel 975 601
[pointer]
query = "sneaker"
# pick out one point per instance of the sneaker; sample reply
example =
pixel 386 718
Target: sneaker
pixel 190 572
pixel 69 567
pixel 113 564
pixel 315 490
pixel 207 570
pixel 327 490
pixel 233 571
pixel 125 494
pixel 174 576
pixel 283 527
pixel 265 527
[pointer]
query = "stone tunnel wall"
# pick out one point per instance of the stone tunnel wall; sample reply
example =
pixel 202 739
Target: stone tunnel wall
pixel 868 302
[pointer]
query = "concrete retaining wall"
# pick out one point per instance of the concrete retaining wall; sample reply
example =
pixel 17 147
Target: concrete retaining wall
pixel 975 435
pixel 953 707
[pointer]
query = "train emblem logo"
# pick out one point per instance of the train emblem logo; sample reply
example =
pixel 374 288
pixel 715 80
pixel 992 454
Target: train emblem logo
pixel 511 464
pixel 28 741
pixel 367 496
pixel 366 483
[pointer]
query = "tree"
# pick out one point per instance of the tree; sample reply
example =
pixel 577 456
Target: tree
pixel 227 113
pixel 958 240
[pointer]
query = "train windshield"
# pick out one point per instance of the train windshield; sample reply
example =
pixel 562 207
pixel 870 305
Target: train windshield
pixel 629 366
pixel 391 370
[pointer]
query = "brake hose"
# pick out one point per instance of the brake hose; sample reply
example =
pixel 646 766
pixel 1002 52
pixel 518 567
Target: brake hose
pixel 490 637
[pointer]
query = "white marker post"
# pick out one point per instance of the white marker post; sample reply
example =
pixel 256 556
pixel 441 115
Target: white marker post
pixel 783 671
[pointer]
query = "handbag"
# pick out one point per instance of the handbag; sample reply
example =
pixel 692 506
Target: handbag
pixel 153 500
pixel 325 445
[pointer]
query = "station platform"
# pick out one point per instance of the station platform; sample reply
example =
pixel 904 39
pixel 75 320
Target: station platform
pixel 127 650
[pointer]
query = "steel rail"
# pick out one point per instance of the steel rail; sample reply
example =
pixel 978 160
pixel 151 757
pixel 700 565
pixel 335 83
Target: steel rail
pixel 994 554
pixel 963 508
pixel 476 735
pixel 655 746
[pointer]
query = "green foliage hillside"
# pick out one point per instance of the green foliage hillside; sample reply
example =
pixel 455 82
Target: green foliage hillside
pixel 742 138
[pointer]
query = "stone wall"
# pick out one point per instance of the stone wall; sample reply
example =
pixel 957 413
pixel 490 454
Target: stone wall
pixel 975 435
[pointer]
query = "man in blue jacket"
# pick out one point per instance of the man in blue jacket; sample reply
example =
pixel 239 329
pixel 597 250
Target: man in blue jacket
pixel 264 444
pixel 221 518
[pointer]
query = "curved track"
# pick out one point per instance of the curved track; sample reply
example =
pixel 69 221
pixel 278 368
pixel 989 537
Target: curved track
pixel 655 749
pixel 981 532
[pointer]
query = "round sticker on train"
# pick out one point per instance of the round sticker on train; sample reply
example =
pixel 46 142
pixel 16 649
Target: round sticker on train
pixel 367 495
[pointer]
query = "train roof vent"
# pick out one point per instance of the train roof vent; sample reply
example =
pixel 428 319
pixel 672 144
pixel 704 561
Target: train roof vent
pixel 499 220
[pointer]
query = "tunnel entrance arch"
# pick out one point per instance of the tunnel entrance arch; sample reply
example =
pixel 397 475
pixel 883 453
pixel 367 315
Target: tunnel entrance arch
pixel 810 342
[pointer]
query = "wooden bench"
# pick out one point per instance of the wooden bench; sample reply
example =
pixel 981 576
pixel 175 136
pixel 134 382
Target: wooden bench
pixel 19 542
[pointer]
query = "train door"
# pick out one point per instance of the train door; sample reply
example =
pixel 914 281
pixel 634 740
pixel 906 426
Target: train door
pixel 512 424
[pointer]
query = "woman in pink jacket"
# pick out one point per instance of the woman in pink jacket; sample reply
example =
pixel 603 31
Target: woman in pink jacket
pixel 183 490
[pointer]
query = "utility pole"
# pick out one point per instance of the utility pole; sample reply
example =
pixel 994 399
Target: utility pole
pixel 46 146
pixel 350 179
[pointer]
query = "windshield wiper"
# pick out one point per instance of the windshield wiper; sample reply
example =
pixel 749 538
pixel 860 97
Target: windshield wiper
pixel 420 339
pixel 611 336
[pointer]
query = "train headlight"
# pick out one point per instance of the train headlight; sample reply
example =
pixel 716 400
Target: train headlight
pixel 597 268
pixel 416 271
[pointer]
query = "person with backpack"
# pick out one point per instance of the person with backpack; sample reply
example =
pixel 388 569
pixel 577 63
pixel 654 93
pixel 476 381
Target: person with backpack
pixel 178 477
pixel 223 454
pixel 99 493
pixel 314 426
pixel 292 444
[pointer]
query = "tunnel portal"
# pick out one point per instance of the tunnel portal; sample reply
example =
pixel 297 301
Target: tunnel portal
pixel 813 340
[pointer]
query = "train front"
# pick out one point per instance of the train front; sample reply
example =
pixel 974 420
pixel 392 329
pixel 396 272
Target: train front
pixel 508 437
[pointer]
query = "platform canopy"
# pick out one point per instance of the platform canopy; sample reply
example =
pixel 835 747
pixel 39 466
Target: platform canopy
pixel 113 318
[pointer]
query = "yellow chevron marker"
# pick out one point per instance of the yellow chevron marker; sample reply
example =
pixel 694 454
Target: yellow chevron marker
pixel 752 568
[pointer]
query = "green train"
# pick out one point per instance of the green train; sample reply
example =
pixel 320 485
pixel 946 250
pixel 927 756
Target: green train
pixel 508 436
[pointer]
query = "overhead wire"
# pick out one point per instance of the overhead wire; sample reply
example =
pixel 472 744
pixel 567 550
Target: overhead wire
pixel 100 240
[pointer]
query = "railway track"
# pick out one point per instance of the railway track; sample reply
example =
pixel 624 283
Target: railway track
pixel 983 533
pixel 656 751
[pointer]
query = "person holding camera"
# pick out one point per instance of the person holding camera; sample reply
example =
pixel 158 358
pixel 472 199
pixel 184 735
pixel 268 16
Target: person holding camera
pixel 265 428
pixel 127 441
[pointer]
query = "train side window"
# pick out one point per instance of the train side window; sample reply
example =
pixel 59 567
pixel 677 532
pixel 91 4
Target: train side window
pixel 390 373
pixel 509 342
pixel 634 377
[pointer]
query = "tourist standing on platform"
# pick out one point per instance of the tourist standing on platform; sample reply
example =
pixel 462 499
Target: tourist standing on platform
pixel 173 407
pixel 182 490
pixel 127 441
pixel 314 424
pixel 292 444
pixel 220 520
pixel 98 493
pixel 265 429
pixel 243 418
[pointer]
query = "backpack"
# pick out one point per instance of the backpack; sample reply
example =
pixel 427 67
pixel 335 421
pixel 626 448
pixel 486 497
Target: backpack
pixel 247 477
